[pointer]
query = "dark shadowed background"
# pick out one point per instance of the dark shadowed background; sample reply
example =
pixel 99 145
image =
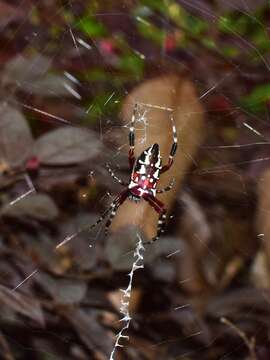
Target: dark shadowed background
pixel 70 75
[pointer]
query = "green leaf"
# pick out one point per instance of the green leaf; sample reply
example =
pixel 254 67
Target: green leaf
pixel 158 5
pixel 209 43
pixel 98 75
pixel 233 24
pixel 261 40
pixel 102 104
pixel 256 100
pixel 177 14
pixel 150 31
pixel 252 28
pixel 91 27
pixel 230 51
pixel 192 24
pixel 143 11
pixel 195 25
pixel 132 63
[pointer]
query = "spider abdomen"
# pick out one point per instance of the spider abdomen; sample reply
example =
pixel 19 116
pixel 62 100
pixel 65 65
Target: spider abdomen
pixel 146 172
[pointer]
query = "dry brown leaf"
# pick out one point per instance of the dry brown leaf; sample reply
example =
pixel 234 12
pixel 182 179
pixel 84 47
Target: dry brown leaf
pixel 171 92
pixel 196 233
pixel 263 225
pixel 67 145
pixel 116 297
pixel 22 304
pixel 15 136
pixel 91 333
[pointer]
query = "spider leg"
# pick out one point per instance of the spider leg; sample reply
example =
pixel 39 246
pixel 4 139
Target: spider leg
pixel 105 213
pixel 109 209
pixel 173 149
pixel 119 199
pixel 114 176
pixel 131 156
pixel 114 206
pixel 161 210
pixel 167 188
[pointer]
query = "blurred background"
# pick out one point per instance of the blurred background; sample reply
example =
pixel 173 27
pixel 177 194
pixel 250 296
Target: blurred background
pixel 70 75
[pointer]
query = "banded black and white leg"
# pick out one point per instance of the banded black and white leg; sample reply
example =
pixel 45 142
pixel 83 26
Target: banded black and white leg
pixel 113 209
pixel 161 223
pixel 114 176
pixel 118 200
pixel 161 210
pixel 87 227
pixel 173 149
pixel 131 137
pixel 167 188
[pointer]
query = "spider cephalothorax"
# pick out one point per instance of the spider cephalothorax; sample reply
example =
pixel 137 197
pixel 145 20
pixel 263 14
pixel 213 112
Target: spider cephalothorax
pixel 145 174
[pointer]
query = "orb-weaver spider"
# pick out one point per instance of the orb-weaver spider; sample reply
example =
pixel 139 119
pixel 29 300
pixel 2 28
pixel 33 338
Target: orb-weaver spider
pixel 145 173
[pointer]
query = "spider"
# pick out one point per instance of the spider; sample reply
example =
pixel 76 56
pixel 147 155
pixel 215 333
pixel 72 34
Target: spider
pixel 145 174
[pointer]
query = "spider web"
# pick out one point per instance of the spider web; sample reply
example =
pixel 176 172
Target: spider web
pixel 236 152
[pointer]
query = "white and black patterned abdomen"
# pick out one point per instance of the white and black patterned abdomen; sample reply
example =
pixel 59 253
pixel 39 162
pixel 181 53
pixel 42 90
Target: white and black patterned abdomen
pixel 146 172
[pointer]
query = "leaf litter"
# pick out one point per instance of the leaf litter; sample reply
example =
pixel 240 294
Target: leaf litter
pixel 206 267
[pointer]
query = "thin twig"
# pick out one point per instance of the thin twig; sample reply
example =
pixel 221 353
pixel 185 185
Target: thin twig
pixel 250 342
